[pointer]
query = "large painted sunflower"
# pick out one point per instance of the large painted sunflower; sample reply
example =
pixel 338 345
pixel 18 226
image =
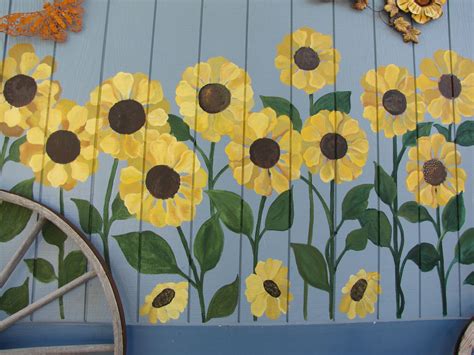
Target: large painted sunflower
pixel 26 88
pixel 173 181
pixel 166 301
pixel 307 60
pixel 422 11
pixel 62 154
pixel 360 294
pixel 434 175
pixel 213 96
pixel 267 289
pixel 390 100
pixel 266 153
pixel 129 105
pixel 447 86
pixel 334 146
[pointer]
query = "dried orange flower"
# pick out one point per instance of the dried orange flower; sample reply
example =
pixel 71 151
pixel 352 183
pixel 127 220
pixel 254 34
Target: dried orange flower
pixel 411 34
pixel 391 7
pixel 400 24
pixel 360 4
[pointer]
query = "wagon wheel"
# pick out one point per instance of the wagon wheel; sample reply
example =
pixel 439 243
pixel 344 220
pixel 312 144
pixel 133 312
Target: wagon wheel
pixel 98 269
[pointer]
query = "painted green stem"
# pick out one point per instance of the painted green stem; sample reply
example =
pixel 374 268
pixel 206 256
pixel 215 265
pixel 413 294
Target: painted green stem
pixel 61 258
pixel 210 175
pixel 107 221
pixel 332 252
pixel 4 152
pixel 310 240
pixel 440 267
pixel 219 174
pixel 258 236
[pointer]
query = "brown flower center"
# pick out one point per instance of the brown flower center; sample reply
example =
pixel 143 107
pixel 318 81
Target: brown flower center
pixel 394 102
pixel 306 58
pixel 265 153
pixel 333 146
pixel 164 298
pixel 162 182
pixel 127 117
pixel 63 147
pixel 272 288
pixel 214 98
pixel 358 290
pixel 450 86
pixel 20 90
pixel 434 172
pixel 424 2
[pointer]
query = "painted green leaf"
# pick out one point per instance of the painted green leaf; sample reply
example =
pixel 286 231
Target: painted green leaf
pixel 224 301
pixel 157 257
pixel 311 265
pixel 454 214
pixel 230 205
pixel 465 134
pixel 179 128
pixel 75 265
pixel 357 239
pixel 209 243
pixel 424 255
pixel 464 250
pixel 16 298
pixel 442 130
pixel 53 235
pixel 280 213
pixel 373 219
pixel 89 218
pixel 414 213
pixel 10 212
pixel 119 210
pixel 385 186
pixel 334 101
pixel 469 280
pixel 41 269
pixel 356 201
pixel 283 107
pixel 14 151
pixel 423 128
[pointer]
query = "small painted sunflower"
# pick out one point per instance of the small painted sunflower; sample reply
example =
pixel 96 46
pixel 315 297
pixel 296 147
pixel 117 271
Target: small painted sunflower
pixel 267 289
pixel 25 88
pixel 307 60
pixel 360 294
pixel 128 104
pixel 266 154
pixel 213 96
pixel 422 11
pixel 434 175
pixel 166 301
pixel 173 180
pixel 62 154
pixel 334 146
pixel 390 100
pixel 447 86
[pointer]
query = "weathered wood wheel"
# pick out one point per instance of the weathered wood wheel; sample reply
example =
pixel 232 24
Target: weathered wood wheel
pixel 97 269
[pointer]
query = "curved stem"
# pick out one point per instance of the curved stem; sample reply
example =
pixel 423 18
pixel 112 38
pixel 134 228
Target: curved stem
pixel 201 152
pixel 332 251
pixel 218 175
pixel 340 258
pixel 310 237
pixel 257 235
pixel 453 262
pixel 61 257
pixel 323 203
pixel 107 222
pixel 4 152
pixel 210 176
pixel 441 272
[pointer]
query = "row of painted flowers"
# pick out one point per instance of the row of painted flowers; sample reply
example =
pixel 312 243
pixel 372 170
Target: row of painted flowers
pixel 129 119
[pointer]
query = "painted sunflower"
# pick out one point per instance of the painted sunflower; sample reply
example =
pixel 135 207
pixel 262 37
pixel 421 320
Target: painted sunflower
pixel 266 153
pixel 62 154
pixel 422 11
pixel 307 60
pixel 434 175
pixel 360 294
pixel 25 88
pixel 173 181
pixel 213 96
pixel 390 100
pixel 166 301
pixel 267 289
pixel 334 146
pixel 447 86
pixel 128 103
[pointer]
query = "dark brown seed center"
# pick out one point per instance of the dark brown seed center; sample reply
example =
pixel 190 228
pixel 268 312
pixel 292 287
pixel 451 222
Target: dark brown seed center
pixel 450 86
pixel 272 288
pixel 127 117
pixel 164 298
pixel 162 182
pixel 63 147
pixel 20 90
pixel 265 153
pixel 434 172
pixel 358 290
pixel 306 58
pixel 424 2
pixel 333 146
pixel 394 102
pixel 214 98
